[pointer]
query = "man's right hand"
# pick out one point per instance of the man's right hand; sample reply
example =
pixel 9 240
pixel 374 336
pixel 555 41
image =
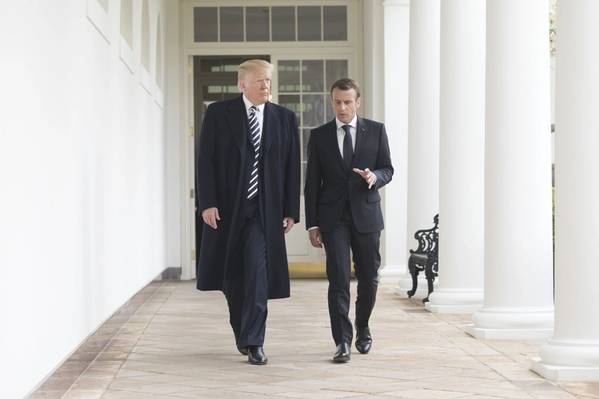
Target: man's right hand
pixel 210 216
pixel 315 237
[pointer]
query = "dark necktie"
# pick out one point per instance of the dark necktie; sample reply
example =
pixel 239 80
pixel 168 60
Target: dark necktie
pixel 255 139
pixel 348 152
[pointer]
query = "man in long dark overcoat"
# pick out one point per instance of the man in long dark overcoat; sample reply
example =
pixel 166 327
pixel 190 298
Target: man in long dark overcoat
pixel 248 184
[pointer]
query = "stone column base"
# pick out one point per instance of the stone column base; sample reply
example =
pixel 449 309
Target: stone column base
pixel 568 360
pixel 512 323
pixel 463 301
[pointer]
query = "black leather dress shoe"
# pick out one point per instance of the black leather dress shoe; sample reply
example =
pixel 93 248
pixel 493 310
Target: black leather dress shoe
pixel 243 351
pixel 256 355
pixel 343 353
pixel 363 340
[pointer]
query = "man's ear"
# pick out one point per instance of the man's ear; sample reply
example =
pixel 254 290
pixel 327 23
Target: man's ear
pixel 358 103
pixel 241 85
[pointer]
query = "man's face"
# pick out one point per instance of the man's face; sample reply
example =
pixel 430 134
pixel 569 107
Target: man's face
pixel 256 86
pixel 345 104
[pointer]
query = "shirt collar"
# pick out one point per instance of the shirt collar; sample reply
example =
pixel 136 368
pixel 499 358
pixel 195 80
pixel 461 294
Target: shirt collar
pixel 248 104
pixel 352 123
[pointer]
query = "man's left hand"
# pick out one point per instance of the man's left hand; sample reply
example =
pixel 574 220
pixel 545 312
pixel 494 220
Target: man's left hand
pixel 288 224
pixel 366 175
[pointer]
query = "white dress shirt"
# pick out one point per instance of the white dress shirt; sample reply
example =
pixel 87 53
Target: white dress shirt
pixel 259 112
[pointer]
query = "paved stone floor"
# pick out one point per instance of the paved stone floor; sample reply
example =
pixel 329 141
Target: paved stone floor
pixel 174 342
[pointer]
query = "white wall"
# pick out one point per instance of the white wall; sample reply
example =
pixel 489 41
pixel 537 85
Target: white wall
pixel 82 170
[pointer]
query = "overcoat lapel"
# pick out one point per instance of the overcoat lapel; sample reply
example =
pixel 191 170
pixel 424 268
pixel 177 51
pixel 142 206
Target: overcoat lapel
pixel 271 119
pixel 236 119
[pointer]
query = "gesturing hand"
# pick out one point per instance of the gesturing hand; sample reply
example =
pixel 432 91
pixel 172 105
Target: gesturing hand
pixel 210 216
pixel 366 175
pixel 288 224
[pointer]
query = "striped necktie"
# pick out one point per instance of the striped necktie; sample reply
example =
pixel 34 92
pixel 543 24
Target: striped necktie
pixel 255 139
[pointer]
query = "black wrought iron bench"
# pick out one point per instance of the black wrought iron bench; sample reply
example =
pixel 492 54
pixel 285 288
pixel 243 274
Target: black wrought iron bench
pixel 425 258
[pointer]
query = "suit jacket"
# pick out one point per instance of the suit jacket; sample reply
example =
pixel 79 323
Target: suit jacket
pixel 330 184
pixel 221 181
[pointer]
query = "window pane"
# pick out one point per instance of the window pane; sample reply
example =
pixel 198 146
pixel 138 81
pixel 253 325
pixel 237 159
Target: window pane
pixel 257 24
pixel 210 65
pixel 335 23
pixel 232 64
pixel 231 24
pixel 289 76
pixel 330 115
pixel 283 24
pixel 313 110
pixel 205 26
pixel 312 76
pixel 336 69
pixel 212 89
pixel 305 139
pixel 212 93
pixel 304 168
pixel 291 102
pixel 309 23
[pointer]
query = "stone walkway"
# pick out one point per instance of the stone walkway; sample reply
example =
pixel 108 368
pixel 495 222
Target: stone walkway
pixel 172 341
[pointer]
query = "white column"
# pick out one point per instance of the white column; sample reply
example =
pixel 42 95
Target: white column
pixel 174 211
pixel 573 352
pixel 396 14
pixel 423 123
pixel 461 156
pixel 518 244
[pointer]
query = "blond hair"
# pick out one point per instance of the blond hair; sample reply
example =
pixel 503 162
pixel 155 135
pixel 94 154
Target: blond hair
pixel 253 66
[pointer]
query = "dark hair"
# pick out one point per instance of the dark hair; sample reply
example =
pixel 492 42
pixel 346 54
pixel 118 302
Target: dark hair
pixel 346 84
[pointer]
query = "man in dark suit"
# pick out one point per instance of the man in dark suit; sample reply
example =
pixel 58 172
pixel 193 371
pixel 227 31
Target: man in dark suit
pixel 348 162
pixel 248 173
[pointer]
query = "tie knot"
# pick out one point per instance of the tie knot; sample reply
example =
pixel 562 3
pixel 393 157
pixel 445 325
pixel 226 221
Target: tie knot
pixel 346 128
pixel 253 108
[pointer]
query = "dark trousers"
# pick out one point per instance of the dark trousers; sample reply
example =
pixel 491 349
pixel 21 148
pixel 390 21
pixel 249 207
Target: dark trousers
pixel 367 259
pixel 247 290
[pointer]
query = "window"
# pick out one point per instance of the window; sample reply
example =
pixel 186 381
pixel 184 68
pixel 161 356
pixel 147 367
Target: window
pixel 303 87
pixel 283 24
pixel 231 24
pixel 257 23
pixel 264 23
pixel 205 24
pixel 309 23
pixel 335 23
